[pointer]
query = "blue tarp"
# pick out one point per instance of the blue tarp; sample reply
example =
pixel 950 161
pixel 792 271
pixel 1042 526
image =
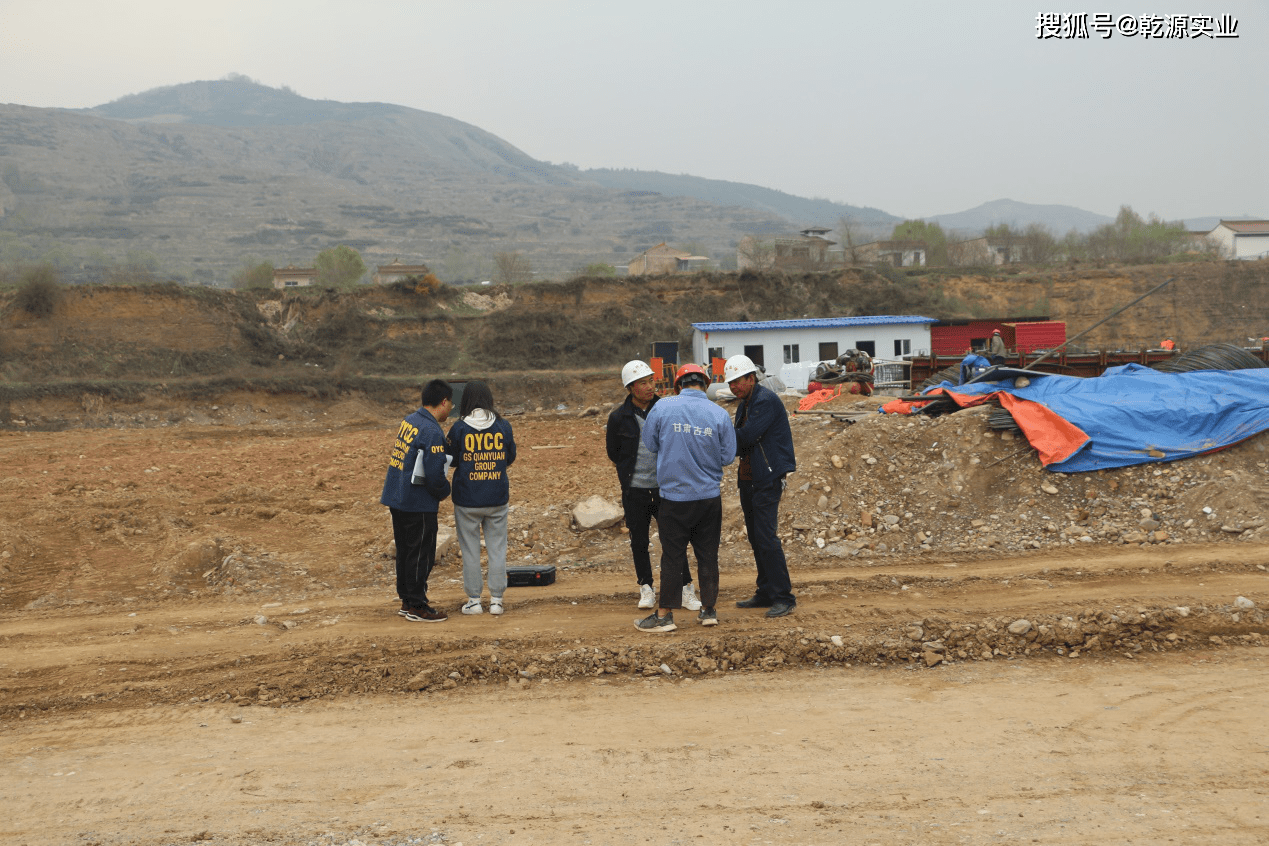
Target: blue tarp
pixel 1135 415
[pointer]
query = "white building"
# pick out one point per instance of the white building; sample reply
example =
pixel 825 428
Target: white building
pixel 774 343
pixel 1242 239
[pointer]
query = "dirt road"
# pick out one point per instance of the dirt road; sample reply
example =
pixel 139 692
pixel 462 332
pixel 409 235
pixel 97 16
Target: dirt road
pixel 200 645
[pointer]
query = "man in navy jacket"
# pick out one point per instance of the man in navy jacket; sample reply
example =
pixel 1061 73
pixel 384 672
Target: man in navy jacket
pixel 414 504
pixel 764 443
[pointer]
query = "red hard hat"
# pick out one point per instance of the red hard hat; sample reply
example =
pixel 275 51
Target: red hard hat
pixel 995 332
pixel 689 369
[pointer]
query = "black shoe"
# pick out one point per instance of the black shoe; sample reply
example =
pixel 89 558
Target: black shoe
pixel 708 617
pixel 653 623
pixel 781 609
pixel 754 601
pixel 425 614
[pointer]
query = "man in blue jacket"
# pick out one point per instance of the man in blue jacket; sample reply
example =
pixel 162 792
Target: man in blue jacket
pixel 764 443
pixel 415 498
pixel 637 475
pixel 693 441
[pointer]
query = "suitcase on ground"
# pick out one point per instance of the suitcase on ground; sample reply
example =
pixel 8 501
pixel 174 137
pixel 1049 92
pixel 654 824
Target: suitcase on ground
pixel 531 575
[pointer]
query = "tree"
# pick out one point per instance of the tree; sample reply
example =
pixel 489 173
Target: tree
pixel 931 234
pixel 753 253
pixel 259 276
pixel 851 235
pixel 339 267
pixel 513 268
pixel 1133 239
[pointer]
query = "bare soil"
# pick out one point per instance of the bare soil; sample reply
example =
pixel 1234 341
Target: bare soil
pixel 200 644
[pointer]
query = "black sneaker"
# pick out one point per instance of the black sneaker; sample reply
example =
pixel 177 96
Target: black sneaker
pixel 781 609
pixel 653 623
pixel 708 617
pixel 426 614
pixel 754 601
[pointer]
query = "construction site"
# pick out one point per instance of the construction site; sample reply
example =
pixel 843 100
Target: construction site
pixel 198 611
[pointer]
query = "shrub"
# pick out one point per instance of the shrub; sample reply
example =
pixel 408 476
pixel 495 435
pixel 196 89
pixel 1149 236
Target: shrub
pixel 39 291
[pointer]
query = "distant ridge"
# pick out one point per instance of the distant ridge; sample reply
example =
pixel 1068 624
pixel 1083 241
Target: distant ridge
pixel 1057 219
pixel 799 211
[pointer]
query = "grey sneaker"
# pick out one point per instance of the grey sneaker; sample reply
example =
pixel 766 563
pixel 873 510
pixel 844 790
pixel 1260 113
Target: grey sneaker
pixel 708 617
pixel 690 602
pixel 653 623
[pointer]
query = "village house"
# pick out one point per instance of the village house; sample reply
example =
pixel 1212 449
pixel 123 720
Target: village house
pixel 386 274
pixel 894 253
pixel 294 277
pixel 805 250
pixel 977 252
pixel 1242 239
pixel 665 259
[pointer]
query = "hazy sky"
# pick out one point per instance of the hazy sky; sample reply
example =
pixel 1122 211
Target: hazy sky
pixel 918 108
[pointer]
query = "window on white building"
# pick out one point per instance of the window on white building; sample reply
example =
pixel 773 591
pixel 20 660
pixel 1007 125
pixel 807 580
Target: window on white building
pixel 791 354
pixel 903 347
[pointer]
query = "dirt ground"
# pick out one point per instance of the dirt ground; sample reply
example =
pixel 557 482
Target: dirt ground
pixel 200 645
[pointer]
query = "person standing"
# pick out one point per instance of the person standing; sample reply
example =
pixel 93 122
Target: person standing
pixel 637 475
pixel 413 490
pixel 693 441
pixel 764 442
pixel 996 350
pixel 481 447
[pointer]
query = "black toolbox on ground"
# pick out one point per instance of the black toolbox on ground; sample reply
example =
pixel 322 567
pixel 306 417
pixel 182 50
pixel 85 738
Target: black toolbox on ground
pixel 531 575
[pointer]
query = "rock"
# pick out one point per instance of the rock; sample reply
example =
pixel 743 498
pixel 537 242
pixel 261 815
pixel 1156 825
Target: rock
pixel 1233 530
pixel 591 411
pixel 822 502
pixel 596 513
pixel 1049 489
pixel 836 640
pixel 891 519
pixel 865 519
pixel 837 461
pixel 1244 602
pixel 1148 524
pixel 932 658
pixel 665 668
pixel 1019 627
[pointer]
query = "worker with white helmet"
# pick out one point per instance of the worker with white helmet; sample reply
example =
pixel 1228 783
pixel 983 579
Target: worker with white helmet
pixel 637 474
pixel 764 443
pixel 693 441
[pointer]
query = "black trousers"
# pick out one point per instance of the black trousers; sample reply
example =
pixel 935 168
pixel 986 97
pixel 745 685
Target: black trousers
pixel 761 507
pixel 415 534
pixel 641 505
pixel 700 523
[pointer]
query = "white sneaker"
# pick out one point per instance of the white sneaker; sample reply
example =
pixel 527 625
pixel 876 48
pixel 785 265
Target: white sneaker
pixel 495 605
pixel 472 606
pixel 690 602
pixel 647 599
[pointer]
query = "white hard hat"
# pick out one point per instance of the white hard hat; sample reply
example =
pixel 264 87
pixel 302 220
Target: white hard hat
pixel 634 371
pixel 737 366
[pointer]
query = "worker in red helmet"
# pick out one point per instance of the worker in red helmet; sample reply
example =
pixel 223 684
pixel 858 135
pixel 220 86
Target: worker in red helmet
pixel 693 440
pixel 996 350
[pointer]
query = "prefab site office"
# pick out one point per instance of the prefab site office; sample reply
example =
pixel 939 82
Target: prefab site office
pixel 774 343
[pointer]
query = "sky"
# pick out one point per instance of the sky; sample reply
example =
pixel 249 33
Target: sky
pixel 918 109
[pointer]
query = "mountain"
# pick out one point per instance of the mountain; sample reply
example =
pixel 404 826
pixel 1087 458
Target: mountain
pixel 199 179
pixel 799 210
pixel 1057 219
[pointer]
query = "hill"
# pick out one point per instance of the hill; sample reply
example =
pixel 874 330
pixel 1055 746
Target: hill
pixel 1057 219
pixel 194 180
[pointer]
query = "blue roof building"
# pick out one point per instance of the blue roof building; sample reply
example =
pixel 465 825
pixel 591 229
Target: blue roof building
pixel 775 343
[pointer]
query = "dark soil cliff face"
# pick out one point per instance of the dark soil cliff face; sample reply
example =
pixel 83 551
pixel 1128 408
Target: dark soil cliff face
pixel 327 341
